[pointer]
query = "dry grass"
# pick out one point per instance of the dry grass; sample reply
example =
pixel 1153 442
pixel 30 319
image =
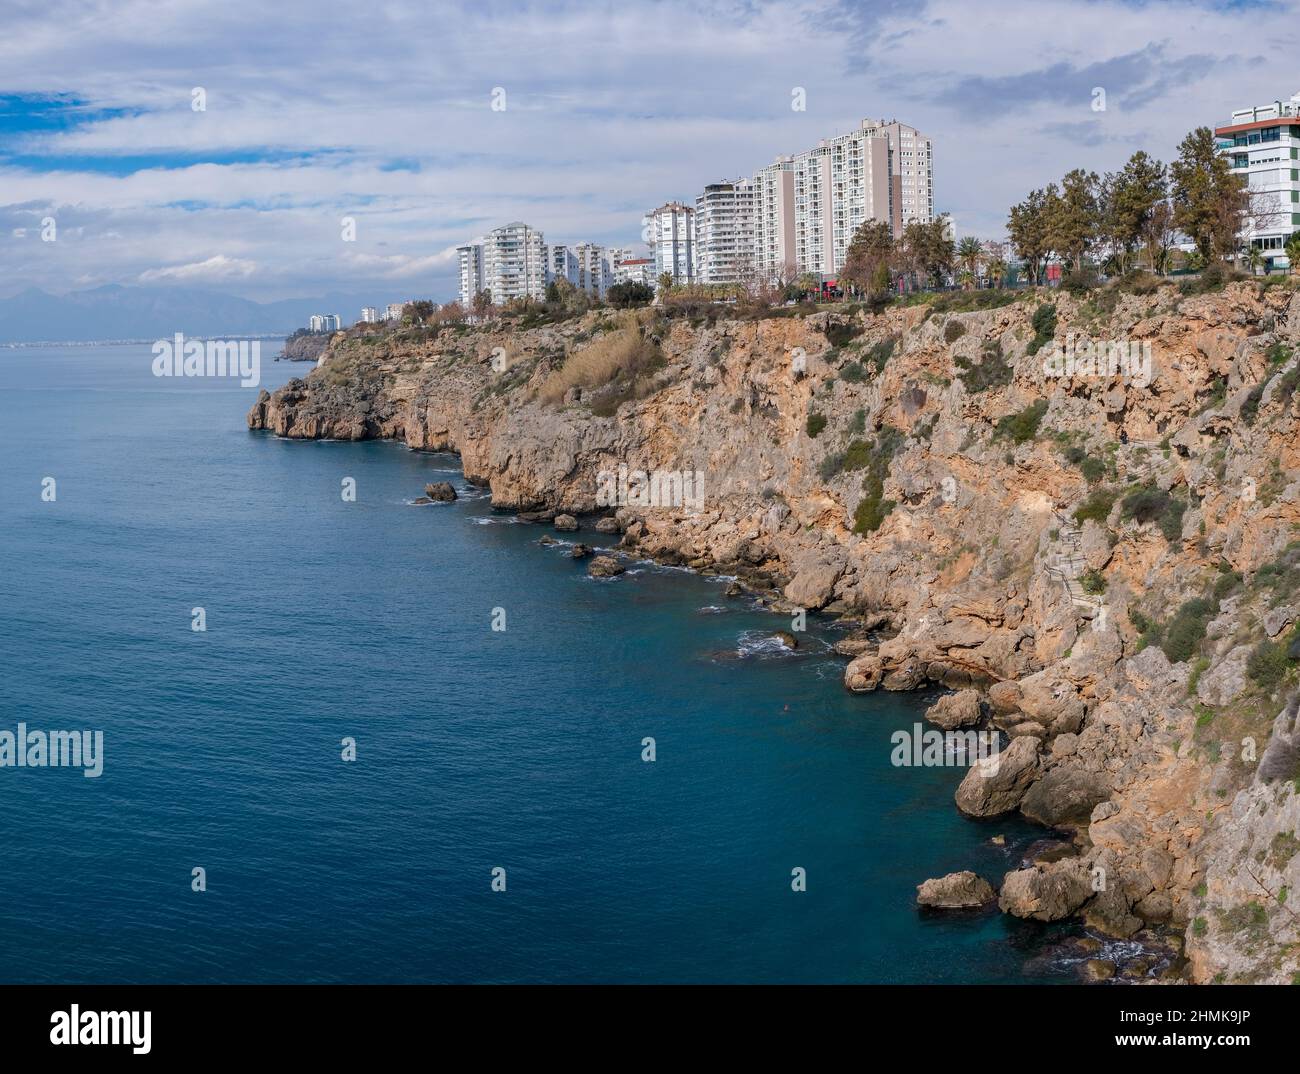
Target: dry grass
pixel 620 354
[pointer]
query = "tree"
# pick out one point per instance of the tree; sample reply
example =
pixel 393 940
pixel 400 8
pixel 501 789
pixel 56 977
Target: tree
pixel 1209 200
pixel 969 253
pixel 927 248
pixel 629 293
pixel 1293 251
pixel 482 304
pixel 1075 217
pixel 996 269
pixel 665 283
pixel 1158 235
pixel 1030 231
pixel 870 251
pixel 1129 200
pixel 418 312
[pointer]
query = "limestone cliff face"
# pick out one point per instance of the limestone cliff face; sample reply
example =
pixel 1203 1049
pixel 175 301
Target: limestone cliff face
pixel 1108 558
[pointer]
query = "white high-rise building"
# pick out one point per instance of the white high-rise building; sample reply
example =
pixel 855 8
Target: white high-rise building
pixel 325 322
pixel 774 232
pixel 636 270
pixel 724 232
pixel 369 315
pixel 1263 143
pixel 562 264
pixel 471 272
pixel 807 207
pixel 594 275
pixel 670 231
pixel 514 263
pixel 393 311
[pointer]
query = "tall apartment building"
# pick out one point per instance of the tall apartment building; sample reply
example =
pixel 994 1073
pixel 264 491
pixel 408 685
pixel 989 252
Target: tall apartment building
pixel 325 322
pixel 670 232
pixel 1263 144
pixel 393 311
pixel 369 315
pixel 618 254
pixel 724 231
pixel 562 264
pixel 774 230
pixel 594 275
pixel 807 207
pixel 514 263
pixel 471 272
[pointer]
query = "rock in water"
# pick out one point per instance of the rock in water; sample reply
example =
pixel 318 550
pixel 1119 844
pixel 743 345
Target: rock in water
pixel 440 492
pixel 581 551
pixel 787 639
pixel 607 525
pixel 566 523
pixel 996 784
pixel 953 711
pixel 605 567
pixel 956 891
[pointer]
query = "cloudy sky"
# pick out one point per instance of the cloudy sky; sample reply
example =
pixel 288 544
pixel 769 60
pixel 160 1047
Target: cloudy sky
pixel 382 113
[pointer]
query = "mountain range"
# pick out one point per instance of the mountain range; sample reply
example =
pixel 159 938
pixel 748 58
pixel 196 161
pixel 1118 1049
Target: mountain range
pixel 115 311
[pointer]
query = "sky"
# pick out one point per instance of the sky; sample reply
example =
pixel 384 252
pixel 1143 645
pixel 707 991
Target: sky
pixel 428 124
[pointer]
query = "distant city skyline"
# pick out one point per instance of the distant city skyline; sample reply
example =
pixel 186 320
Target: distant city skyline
pixel 168 147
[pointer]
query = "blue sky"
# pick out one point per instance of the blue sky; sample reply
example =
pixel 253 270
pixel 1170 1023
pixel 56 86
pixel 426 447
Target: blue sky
pixel 317 112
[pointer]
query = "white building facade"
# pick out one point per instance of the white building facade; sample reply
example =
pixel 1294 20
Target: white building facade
pixel 1263 144
pixel 725 232
pixel 670 232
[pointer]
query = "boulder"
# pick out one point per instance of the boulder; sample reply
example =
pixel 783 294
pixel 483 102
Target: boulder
pixel 580 551
pixel 566 523
pixel 864 672
pixel 1065 797
pixel 956 891
pixel 996 784
pixel 1277 620
pixel 814 582
pixel 954 711
pixel 605 567
pixel 1226 680
pixel 1045 892
pixel 440 492
pixel 787 639
pixel 606 525
pixel 1005 696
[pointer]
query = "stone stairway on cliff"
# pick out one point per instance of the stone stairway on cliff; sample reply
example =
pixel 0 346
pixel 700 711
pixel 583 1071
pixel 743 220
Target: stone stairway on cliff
pixel 1067 565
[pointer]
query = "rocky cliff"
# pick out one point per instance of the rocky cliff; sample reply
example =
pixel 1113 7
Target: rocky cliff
pixel 1107 555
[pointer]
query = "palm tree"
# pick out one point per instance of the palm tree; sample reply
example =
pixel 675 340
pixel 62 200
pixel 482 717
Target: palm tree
pixel 1255 258
pixel 969 252
pixel 996 270
pixel 665 283
pixel 1293 250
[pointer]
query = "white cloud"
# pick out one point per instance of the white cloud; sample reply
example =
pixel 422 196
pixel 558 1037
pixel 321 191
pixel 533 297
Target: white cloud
pixel 215 268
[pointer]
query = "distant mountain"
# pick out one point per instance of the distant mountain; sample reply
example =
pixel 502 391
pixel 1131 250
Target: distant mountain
pixel 117 312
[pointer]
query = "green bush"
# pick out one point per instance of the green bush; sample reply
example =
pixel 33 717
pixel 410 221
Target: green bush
pixel 854 373
pixel 816 423
pixel 1268 665
pixel 858 425
pixel 1250 405
pixel 840 334
pixel 881 352
pixel 992 371
pixel 1093 582
pixel 953 331
pixel 831 465
pixel 1044 325
pixel 1093 469
pixel 1022 426
pixel 1097 506
pixel 1187 629
pixel 873 508
pixel 1149 503
pixel 857 455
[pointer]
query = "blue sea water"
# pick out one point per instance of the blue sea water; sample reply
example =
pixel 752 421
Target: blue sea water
pixel 476 749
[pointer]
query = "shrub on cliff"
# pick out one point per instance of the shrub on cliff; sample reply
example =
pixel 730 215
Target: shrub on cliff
pixel 953 331
pixel 839 334
pixel 873 508
pixel 1250 405
pixel 1187 629
pixel 816 423
pixel 1096 507
pixel 1150 503
pixel 992 371
pixel 879 355
pixel 1022 427
pixel 1044 325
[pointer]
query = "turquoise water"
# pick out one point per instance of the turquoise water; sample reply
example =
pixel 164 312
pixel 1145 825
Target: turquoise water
pixel 476 749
